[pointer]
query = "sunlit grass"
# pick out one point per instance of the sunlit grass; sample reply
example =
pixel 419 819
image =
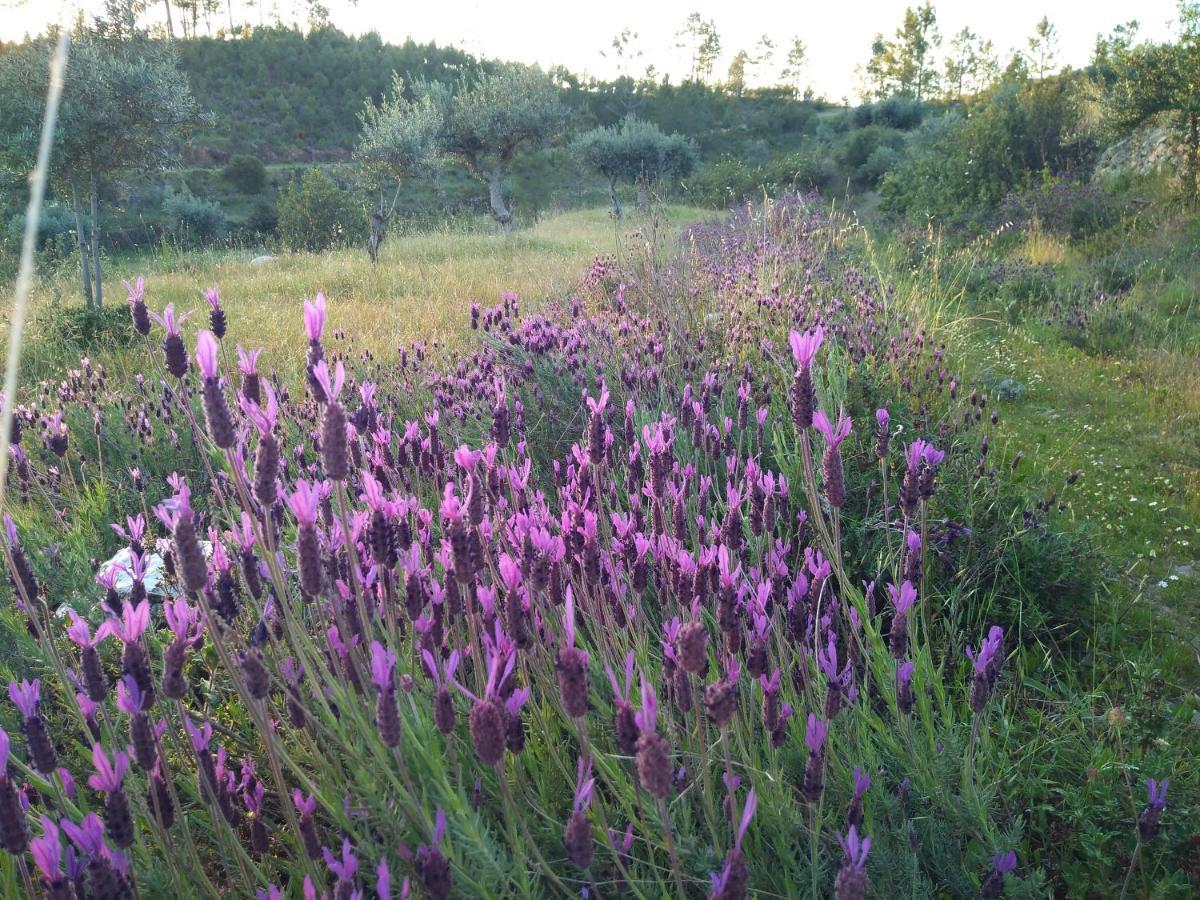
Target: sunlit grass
pixel 421 290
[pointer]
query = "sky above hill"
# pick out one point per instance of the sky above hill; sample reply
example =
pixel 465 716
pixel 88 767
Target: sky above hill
pixel 838 34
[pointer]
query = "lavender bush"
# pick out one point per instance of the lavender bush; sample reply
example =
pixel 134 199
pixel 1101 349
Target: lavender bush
pixel 639 595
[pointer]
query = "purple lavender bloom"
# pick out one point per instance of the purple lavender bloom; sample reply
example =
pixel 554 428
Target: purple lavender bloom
pixel 26 696
pixel 88 835
pixel 1156 802
pixel 47 851
pixel 314 317
pixel 346 867
pixel 834 433
pixel 383 661
pixel 814 734
pixel 805 346
pixel 109 773
pixel 206 354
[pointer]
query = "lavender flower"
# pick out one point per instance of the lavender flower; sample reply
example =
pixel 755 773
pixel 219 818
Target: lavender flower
pixel 814 770
pixel 804 350
pixel 26 697
pixel 834 434
pixel 732 881
pixel 1156 802
pixel 851 882
pixel 987 663
pixel 577 837
pixel 993 885
pixel 902 599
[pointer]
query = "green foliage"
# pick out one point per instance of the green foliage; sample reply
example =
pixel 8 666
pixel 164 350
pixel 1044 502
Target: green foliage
pixel 193 221
pixel 56 225
pixel 729 181
pixel 315 214
pixel 399 136
pixel 858 153
pixel 636 151
pixel 959 168
pixel 246 173
pixel 1137 81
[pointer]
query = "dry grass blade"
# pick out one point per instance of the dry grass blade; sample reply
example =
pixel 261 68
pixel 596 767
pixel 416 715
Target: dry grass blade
pixel 37 192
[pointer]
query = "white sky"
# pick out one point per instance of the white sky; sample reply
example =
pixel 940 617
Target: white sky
pixel 838 34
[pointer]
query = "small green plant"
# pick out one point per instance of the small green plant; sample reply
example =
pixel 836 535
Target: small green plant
pixel 315 214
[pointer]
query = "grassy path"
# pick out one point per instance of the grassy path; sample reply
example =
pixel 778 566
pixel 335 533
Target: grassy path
pixel 1132 425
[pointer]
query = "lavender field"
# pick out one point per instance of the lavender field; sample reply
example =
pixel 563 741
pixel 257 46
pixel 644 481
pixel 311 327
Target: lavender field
pixel 700 583
pixel 429 475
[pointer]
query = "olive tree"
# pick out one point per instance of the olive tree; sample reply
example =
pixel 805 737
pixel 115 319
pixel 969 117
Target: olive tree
pixel 124 103
pixel 488 116
pixel 398 141
pixel 638 152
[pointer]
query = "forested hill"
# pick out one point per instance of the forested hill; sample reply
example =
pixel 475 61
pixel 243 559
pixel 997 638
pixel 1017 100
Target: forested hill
pixel 285 95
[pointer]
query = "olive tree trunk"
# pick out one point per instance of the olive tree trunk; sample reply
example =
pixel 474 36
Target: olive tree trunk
pixel 85 267
pixel 500 211
pixel 612 195
pixel 98 294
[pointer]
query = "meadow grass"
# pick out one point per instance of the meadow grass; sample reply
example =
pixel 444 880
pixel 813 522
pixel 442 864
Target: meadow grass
pixel 420 291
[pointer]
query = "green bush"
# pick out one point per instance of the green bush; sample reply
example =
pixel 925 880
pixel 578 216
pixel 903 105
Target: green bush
pixel 193 220
pixel 56 226
pixel 315 214
pixel 247 174
pixel 855 151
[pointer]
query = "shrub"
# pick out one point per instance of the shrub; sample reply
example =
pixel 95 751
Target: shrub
pixel 56 227
pixel 247 174
pixel 314 214
pixel 194 221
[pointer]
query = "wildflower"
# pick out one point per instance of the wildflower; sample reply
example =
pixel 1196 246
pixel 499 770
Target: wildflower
pixel 834 434
pixel 625 724
pixel 26 697
pixel 1156 802
pixel 255 677
pixel 216 410
pixel 103 878
pixel 333 427
pixel 387 718
pixel 904 694
pixel 488 718
pixel 987 663
pixel 814 770
pixel 882 420
pixel 216 314
pixel 731 882
pixel 653 752
pixel 141 733
pixel 94 679
pixel 837 681
pixel 443 701
pixel 173 347
pixel 306 806
pixel 304 503
pixel 47 855
pixel 14 835
pixel 862 783
pixel 344 869
pixel 21 574
pixel 851 882
pixel 902 599
pixel 118 822
pixel 804 350
pixel 993 885
pixel 137 306
pixel 577 837
pixel 177 514
pixel 720 697
pixel 432 867
pixel 572 667
pixel 248 366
